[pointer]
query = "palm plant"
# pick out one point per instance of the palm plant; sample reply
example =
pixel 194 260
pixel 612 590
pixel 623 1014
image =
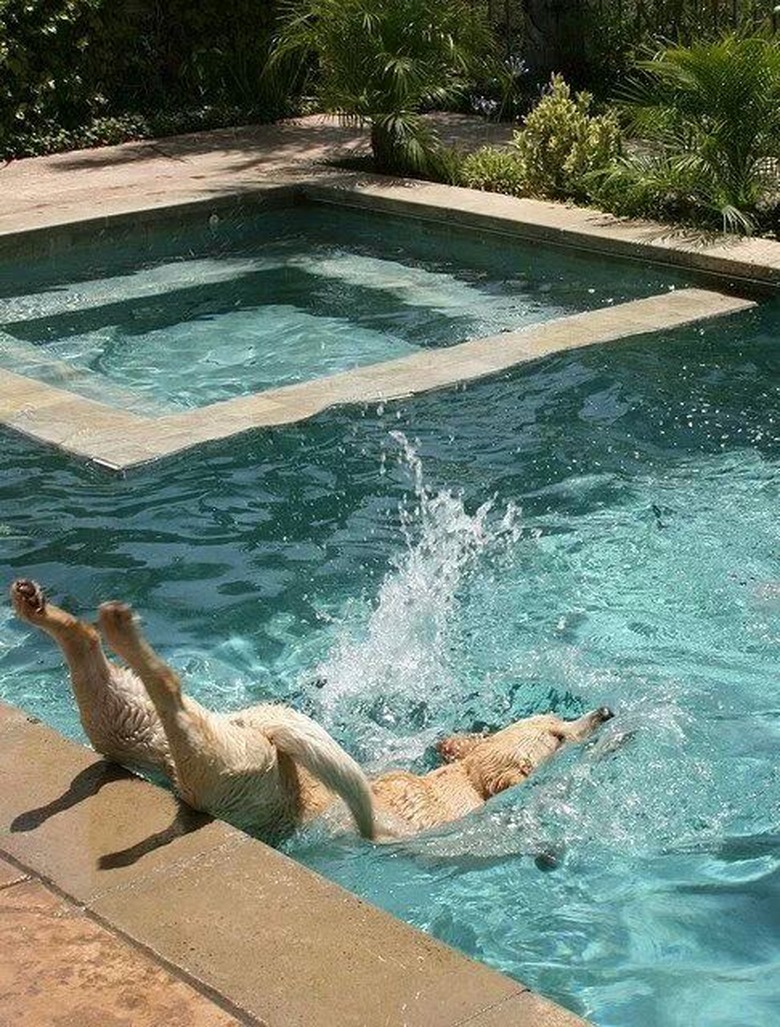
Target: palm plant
pixel 709 115
pixel 382 62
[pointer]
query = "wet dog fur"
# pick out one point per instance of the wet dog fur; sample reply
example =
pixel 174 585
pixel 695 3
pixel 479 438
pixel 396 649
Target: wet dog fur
pixel 210 760
pixel 269 768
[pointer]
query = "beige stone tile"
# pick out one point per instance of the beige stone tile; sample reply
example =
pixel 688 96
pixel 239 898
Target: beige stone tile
pixel 60 969
pixel 527 1010
pixel 295 950
pixel 9 874
pixel 74 818
pixel 433 369
pixel 12 716
pixel 219 419
pixel 61 422
pixel 319 393
pixel 112 454
pixel 20 396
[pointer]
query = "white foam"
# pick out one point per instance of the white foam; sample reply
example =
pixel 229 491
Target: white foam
pixel 400 651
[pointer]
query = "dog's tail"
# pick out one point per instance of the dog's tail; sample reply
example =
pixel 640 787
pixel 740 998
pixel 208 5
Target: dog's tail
pixel 305 741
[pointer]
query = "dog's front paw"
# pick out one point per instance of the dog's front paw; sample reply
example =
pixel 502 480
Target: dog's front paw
pixel 28 599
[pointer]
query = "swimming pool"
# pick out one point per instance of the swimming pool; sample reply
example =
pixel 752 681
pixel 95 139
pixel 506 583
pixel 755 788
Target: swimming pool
pixel 214 306
pixel 598 528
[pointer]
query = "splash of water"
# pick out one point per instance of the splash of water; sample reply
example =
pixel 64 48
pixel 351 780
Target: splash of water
pixel 395 662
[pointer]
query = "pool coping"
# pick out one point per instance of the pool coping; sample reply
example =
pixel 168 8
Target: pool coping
pixel 225 913
pixel 119 440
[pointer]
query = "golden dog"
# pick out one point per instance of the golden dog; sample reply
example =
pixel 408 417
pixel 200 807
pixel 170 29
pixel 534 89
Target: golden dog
pixel 220 768
pixel 479 766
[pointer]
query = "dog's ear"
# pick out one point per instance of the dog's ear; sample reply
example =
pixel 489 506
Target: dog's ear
pixel 455 747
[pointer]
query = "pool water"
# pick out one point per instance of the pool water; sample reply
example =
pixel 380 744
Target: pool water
pixel 229 305
pixel 600 528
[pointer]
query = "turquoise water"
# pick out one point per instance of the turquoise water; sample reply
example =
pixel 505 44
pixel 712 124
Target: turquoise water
pixel 598 528
pixel 224 306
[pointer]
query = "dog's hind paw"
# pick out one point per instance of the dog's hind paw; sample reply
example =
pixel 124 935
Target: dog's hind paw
pixel 28 598
pixel 117 621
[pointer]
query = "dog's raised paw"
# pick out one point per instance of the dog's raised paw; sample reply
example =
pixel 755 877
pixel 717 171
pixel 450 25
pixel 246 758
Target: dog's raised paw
pixel 115 619
pixel 28 597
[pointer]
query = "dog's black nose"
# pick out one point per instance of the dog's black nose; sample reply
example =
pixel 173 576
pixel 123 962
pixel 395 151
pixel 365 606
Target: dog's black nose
pixel 604 713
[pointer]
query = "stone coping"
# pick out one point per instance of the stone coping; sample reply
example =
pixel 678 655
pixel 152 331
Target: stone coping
pixel 119 439
pixel 741 260
pixel 267 940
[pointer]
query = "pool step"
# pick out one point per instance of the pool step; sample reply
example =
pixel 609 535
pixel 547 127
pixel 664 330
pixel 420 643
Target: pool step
pixel 118 439
pixel 25 358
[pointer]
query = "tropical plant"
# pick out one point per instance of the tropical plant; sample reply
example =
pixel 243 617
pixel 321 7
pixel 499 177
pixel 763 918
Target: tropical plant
pixel 561 143
pixel 708 120
pixel 383 62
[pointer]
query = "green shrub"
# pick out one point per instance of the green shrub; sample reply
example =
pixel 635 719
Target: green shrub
pixel 709 119
pixel 494 170
pixel 561 144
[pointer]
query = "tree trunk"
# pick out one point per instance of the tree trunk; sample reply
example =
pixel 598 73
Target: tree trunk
pixel 555 33
pixel 389 154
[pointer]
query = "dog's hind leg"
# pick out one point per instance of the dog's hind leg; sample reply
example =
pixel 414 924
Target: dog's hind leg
pixel 192 732
pixel 121 631
pixel 74 636
pixel 78 640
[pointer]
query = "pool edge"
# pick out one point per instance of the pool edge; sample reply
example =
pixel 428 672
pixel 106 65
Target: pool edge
pixel 226 913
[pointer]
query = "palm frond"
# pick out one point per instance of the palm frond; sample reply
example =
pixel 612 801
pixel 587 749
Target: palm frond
pixel 711 112
pixel 384 60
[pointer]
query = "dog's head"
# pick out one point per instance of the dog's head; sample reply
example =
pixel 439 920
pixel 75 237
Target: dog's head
pixel 507 757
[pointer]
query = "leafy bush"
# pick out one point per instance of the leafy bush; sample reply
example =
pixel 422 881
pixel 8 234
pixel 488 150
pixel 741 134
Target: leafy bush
pixel 45 51
pixel 561 143
pixel 494 170
pixel 66 65
pixel 709 119
pixel 556 154
pixel 383 62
